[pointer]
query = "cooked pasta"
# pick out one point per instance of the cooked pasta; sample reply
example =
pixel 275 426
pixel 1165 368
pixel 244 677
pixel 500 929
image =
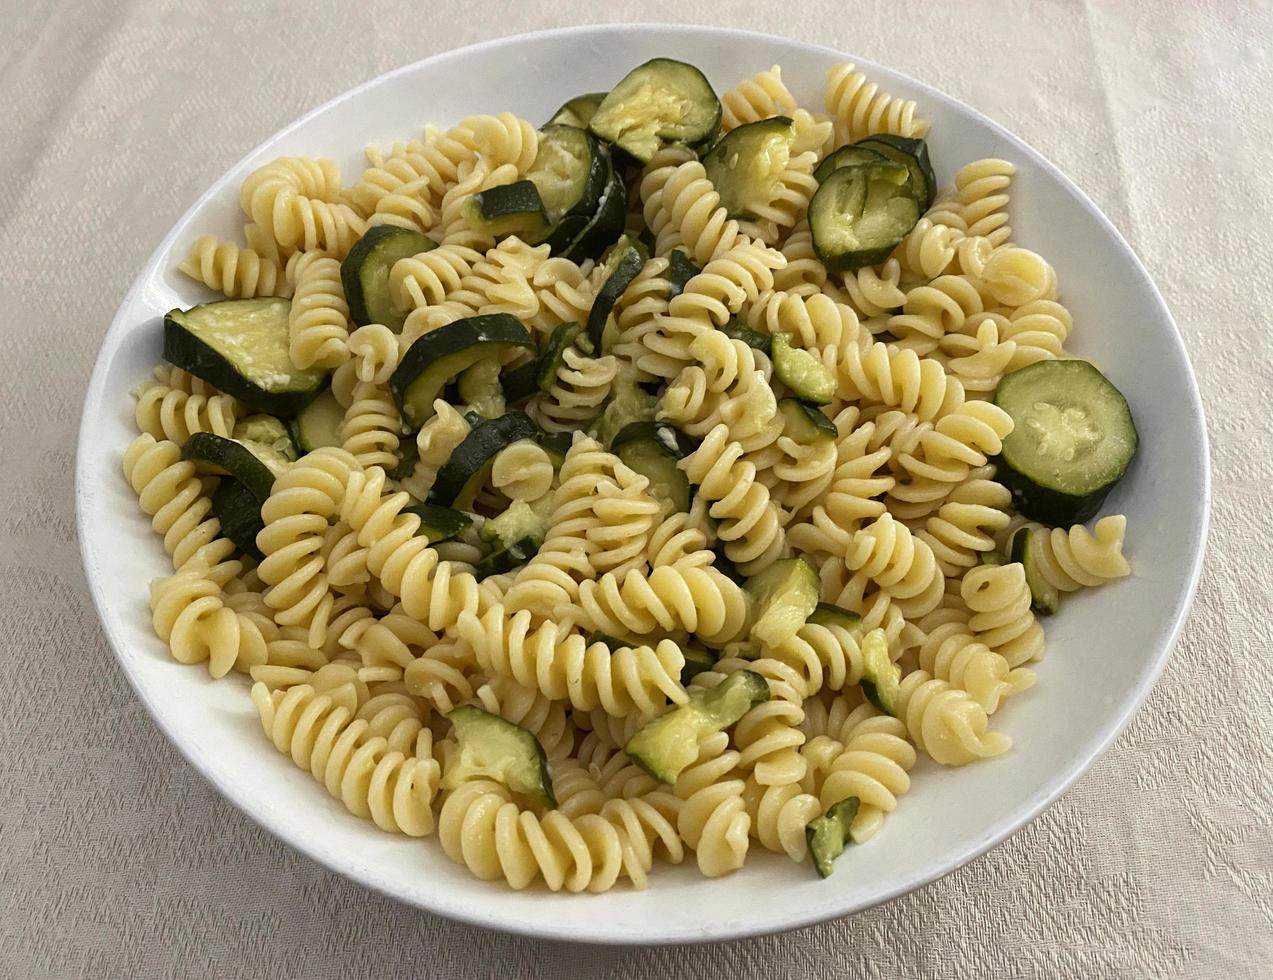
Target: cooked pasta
pixel 566 486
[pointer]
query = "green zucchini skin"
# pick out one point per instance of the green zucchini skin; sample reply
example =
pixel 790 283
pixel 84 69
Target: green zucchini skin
pixel 846 156
pixel 754 339
pixel 491 747
pixel 509 209
pixel 184 348
pixel 364 273
pixel 604 226
pixel 828 835
pixel 232 457
pixel 806 423
pixel 459 480
pixel 1024 548
pixel 623 264
pixel 912 154
pixel 1047 488
pixel 680 270
pixel 439 523
pixel 569 217
pixel 505 559
pixel 687 88
pixel 238 511
pixel 550 361
pixel 861 213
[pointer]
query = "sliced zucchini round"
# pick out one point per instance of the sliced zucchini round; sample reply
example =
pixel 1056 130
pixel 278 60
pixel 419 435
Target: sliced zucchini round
pixel 253 465
pixel 441 355
pixel 571 171
pixel 861 213
pixel 318 423
pixel 509 209
pixel 846 156
pixel 806 423
pixel 597 232
pixel 912 154
pixel 784 596
pixel 662 101
pixel 622 264
pixel 1072 440
pixel 738 330
pixel 744 166
pixel 266 430
pixel 680 270
pixel 803 374
pixel 828 835
pixel 365 273
pixel 559 341
pixel 578 111
pixel 1024 547
pixel 241 347
pixel 652 450
pixel 439 523
pixel 489 747
pixel 470 464
pixel 238 511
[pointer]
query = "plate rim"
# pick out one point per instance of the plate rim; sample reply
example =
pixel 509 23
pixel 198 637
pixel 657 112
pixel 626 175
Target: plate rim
pixel 602 932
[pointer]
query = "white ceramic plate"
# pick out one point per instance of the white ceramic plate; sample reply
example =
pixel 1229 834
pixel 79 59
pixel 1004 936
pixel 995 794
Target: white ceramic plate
pixel 1105 648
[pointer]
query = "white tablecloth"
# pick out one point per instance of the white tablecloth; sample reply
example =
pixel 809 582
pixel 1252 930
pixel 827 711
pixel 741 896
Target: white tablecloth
pixel 118 860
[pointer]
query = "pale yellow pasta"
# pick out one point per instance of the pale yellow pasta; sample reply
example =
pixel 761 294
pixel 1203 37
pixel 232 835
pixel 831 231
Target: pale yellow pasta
pixel 522 471
pixel 235 271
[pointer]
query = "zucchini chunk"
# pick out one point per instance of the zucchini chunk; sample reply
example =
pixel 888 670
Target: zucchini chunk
pixel 439 523
pixel 479 387
pixel 680 270
pixel 846 156
pixel 506 559
pixel 241 347
pixel 252 464
pixel 784 595
pixel 318 423
pixel 470 464
pixel 828 835
pixel 754 339
pixel 1024 547
pixel 365 273
pixel 556 445
pixel 697 660
pixel 828 614
pixel 623 263
pixel 881 678
pixel 666 746
pixel 408 453
pixel 578 111
pixel 746 163
pixel 441 355
pixel 660 102
pixel 1072 439
pixel 509 209
pixel 489 747
pixel 605 224
pixel 628 403
pixel 805 423
pixel 521 382
pixel 518 523
pixel 861 213
pixel 562 338
pixel 913 155
pixel 266 430
pixel 806 376
pixel 238 511
pixel 572 170
pixel 653 450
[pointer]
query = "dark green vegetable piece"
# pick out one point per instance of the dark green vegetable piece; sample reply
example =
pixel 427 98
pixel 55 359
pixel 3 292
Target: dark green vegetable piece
pixel 803 373
pixel 1072 440
pixel 912 154
pixel 623 263
pixel 441 355
pixel 697 660
pixel 572 170
pixel 628 403
pixel 738 330
pixel 439 523
pixel 505 559
pixel 846 156
pixel 861 213
pixel 408 453
pixel 318 423
pixel 652 451
pixel 509 209
pixel 238 511
pixel 488 747
pixel 829 834
pixel 680 270
pixel 1024 547
pixel 248 463
pixel 881 678
pixel 660 102
pixel 267 431
pixel 805 423
pixel 550 361
pixel 783 596
pixel 521 382
pixel 746 163
pixel 829 614
pixel 579 110
pixel 667 745
pixel 241 347
pixel 466 471
pixel 365 273
pixel 598 231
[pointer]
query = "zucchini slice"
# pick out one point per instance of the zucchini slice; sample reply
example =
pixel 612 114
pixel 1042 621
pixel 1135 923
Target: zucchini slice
pixel 829 834
pixel 489 747
pixel 252 464
pixel 470 464
pixel 479 387
pixel 506 559
pixel 556 445
pixel 913 155
pixel 666 746
pixel 628 403
pixel 266 430
pixel 806 376
pixel 861 213
pixel 744 166
pixel 318 423
pixel 578 111
pixel 680 270
pixel 238 511
pixel 561 339
pixel 241 347
pixel 518 523
pixel 623 264
pixel 754 339
pixel 509 209
pixel 805 423
pixel 1072 439
pixel 441 355
pixel 784 595
pixel 365 273
pixel 438 523
pixel 829 614
pixel 697 660
pixel 660 102
pixel 572 170
pixel 846 156
pixel 881 678
pixel 653 450
pixel 1024 547
pixel 521 382
pixel 597 232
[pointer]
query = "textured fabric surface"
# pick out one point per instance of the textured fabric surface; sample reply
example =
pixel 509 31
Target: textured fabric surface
pixel 118 860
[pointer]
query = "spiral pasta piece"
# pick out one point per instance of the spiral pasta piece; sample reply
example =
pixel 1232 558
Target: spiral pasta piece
pixel 946 722
pixel 965 526
pixel 900 564
pixel 318 320
pixel 873 765
pixel 577 394
pixel 370 429
pixel 1074 558
pixel 981 197
pixel 927 251
pixel 999 599
pixel 234 271
pixel 950 653
pixel 374 349
pixel 691 215
pixel 860 109
pixel 874 290
pixel 192 615
pixel 713 818
pixel 522 471
pixel 297 200
pixel 165 412
pixel 696 598
pixel 528 707
pixel 427 278
pixel 760 97
pixel 877 372
pixel 933 310
pixel 815 321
